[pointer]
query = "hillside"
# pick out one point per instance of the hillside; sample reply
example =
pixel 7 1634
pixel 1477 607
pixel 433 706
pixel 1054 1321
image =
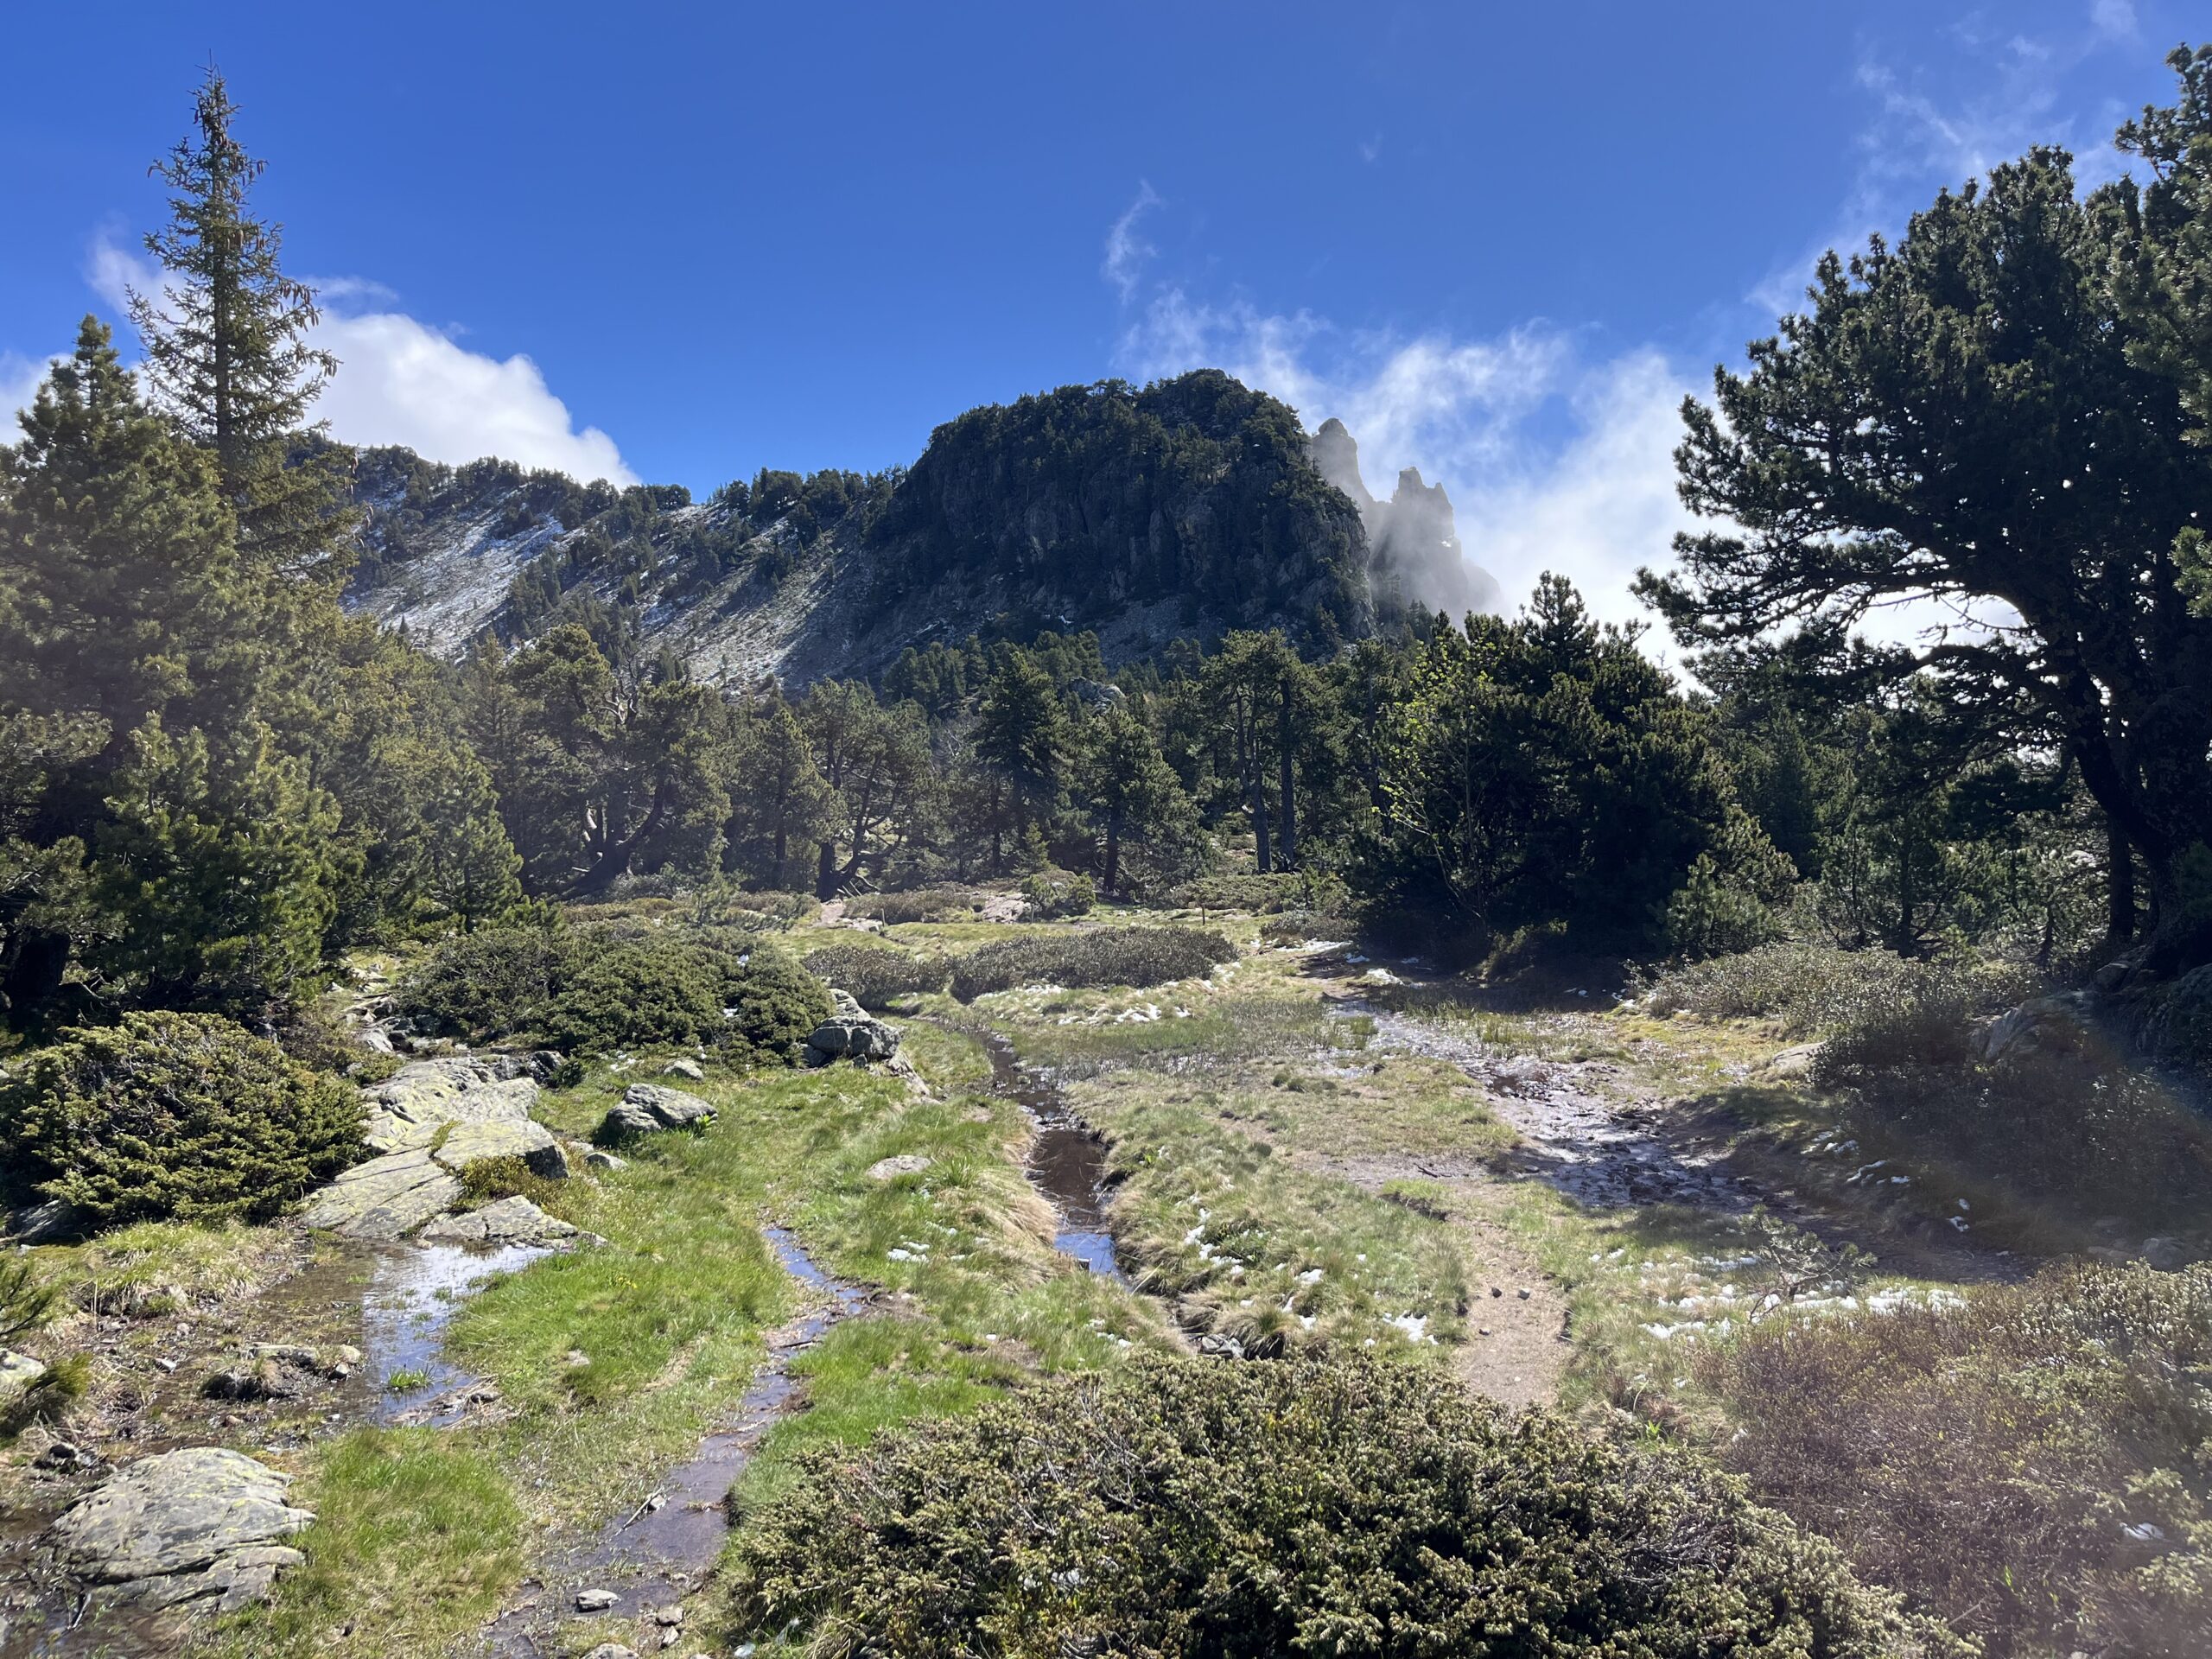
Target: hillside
pixel 1189 507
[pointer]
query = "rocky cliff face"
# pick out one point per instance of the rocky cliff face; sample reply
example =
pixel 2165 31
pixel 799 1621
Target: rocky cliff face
pixel 1187 508
pixel 1416 552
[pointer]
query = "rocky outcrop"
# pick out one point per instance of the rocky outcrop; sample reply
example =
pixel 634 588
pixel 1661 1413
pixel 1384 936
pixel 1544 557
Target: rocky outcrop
pixel 20 1375
pixel 2044 1028
pixel 431 1120
pixel 529 1144
pixel 407 1109
pixel 850 1034
pixel 1413 538
pixel 506 1222
pixel 199 1526
pixel 386 1198
pixel 648 1108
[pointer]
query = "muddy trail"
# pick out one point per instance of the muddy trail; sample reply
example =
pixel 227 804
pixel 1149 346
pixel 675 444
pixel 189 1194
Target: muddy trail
pixel 641 1565
pixel 1591 1133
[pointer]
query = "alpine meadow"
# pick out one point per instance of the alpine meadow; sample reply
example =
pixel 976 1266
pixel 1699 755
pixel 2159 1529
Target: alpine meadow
pixel 1105 1042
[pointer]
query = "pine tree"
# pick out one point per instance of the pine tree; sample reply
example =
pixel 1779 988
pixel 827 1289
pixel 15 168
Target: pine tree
pixel 229 351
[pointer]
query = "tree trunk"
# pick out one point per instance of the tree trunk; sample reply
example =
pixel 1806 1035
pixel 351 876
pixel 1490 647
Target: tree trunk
pixel 825 870
pixel 1114 850
pixel 2119 892
pixel 1289 837
pixel 1256 798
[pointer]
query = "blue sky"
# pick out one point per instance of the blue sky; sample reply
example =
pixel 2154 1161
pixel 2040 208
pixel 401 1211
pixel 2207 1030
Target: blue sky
pixel 682 243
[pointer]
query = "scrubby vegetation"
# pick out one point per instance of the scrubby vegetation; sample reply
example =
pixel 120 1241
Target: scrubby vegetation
pixel 872 974
pixel 1110 956
pixel 2030 1462
pixel 1390 1513
pixel 596 988
pixel 174 1115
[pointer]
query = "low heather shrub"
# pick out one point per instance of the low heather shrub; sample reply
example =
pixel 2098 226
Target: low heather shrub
pixel 1817 990
pixel 2034 1462
pixel 921 904
pixel 872 974
pixel 1390 1514
pixel 175 1114
pixel 1110 956
pixel 620 985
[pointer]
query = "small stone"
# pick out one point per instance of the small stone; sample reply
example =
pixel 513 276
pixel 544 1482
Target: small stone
pixel 671 1614
pixel 1495 1291
pixel 691 1069
pixel 595 1601
pixel 906 1163
pixel 1484 1332
pixel 1522 1293
pixel 612 1651
pixel 19 1375
pixel 600 1158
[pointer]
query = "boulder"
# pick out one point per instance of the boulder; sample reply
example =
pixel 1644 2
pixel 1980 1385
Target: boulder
pixel 1792 1064
pixel 508 1221
pixel 600 1158
pixel 530 1144
pixel 850 1032
pixel 648 1108
pixel 199 1525
pixel 2043 1027
pixel 2165 1254
pixel 691 1069
pixel 386 1198
pixel 19 1375
pixel 406 1111
pixel 48 1222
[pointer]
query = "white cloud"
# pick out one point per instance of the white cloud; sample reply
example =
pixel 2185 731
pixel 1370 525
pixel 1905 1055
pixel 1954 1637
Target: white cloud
pixel 401 381
pixel 20 378
pixel 1552 461
pixel 1127 252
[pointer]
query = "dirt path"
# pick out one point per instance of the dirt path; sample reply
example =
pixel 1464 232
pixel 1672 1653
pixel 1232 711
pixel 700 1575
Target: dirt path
pixel 1608 1139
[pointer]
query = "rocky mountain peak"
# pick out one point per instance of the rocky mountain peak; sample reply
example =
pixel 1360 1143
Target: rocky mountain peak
pixel 1414 536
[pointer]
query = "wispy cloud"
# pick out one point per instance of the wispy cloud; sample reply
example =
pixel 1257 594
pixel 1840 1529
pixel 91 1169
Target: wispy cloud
pixel 1554 459
pixel 20 377
pixel 401 381
pixel 1940 124
pixel 1127 252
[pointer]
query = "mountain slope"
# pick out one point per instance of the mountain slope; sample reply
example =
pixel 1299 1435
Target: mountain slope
pixel 1189 507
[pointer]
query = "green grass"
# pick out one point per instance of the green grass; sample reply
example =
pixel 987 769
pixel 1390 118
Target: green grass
pixel 417 1536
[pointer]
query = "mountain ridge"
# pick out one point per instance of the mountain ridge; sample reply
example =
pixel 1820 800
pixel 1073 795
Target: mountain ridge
pixel 1189 507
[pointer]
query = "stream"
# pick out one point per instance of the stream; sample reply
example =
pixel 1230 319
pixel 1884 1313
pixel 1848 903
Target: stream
pixel 1067 1161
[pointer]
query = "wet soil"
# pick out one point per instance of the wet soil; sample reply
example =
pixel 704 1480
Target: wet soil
pixel 647 1560
pixel 1066 1162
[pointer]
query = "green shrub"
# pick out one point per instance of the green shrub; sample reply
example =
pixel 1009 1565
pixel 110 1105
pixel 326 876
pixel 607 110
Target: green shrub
pixel 2035 1462
pixel 1925 1020
pixel 1389 1514
pixel 673 990
pixel 176 1114
pixel 493 981
pixel 1816 990
pixel 1263 895
pixel 773 1004
pixel 1715 912
pixel 921 904
pixel 874 974
pixel 1053 895
pixel 1111 955
pixel 491 1179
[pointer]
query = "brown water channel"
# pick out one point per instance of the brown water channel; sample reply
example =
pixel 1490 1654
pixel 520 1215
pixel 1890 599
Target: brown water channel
pixel 1067 1161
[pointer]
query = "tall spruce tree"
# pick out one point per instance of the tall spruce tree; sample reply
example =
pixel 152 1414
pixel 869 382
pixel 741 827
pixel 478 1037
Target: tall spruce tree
pixel 230 354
